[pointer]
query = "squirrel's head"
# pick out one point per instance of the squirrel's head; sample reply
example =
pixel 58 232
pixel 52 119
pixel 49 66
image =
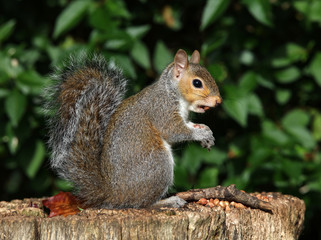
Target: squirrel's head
pixel 195 83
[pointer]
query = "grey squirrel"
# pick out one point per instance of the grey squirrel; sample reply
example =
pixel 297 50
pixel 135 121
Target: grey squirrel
pixel 117 152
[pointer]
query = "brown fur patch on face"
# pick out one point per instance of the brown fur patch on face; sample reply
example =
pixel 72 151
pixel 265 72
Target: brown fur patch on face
pixel 192 94
pixel 198 70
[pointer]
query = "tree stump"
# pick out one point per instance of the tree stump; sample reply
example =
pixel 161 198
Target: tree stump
pixel 26 219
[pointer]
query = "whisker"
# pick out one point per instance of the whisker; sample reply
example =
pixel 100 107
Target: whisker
pixel 201 95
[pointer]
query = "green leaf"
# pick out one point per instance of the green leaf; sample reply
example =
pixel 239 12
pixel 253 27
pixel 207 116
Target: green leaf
pixel 260 10
pixel 212 11
pixel 116 44
pixel 315 68
pixel 30 57
pixel 296 117
pixel 140 54
pixel 282 96
pixel 55 54
pixel 36 160
pixel 237 109
pixel 302 6
pixel 70 16
pixel 315 11
pixel 6 29
pixel 162 57
pixel 302 135
pixel 117 8
pixel 99 18
pixel 234 92
pixel 295 52
pixel 281 62
pixel 295 123
pixel 248 81
pixel 113 34
pixel 41 42
pixel 271 132
pixel 311 9
pixel 255 106
pixel 236 103
pixel 214 42
pixel 31 82
pixel 218 71
pixel 265 82
pixel 15 106
pixel 138 32
pixel 125 64
pixel 288 75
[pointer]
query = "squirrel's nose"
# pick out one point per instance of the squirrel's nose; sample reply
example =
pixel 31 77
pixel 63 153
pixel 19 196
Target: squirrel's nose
pixel 215 100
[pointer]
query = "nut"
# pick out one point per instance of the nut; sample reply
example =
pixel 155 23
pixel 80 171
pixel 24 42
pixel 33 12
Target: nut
pixel 210 204
pixel 221 204
pixel 202 201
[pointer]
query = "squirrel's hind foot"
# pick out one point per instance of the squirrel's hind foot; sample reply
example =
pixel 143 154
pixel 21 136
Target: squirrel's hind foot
pixel 171 202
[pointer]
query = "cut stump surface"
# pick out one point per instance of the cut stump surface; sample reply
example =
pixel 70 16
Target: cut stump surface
pixel 26 219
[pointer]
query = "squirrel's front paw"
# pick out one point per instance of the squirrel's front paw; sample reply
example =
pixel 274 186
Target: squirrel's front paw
pixel 208 142
pixel 203 134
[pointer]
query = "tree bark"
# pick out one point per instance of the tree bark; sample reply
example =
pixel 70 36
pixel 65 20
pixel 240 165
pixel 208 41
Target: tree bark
pixel 26 219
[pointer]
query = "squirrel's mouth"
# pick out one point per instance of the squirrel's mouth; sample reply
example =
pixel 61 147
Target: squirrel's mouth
pixel 202 108
pixel 199 108
pixel 203 105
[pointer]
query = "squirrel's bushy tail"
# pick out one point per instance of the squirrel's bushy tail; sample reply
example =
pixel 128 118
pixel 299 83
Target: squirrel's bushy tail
pixel 85 94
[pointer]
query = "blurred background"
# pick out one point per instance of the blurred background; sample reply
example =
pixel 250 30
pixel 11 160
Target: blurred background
pixel 264 54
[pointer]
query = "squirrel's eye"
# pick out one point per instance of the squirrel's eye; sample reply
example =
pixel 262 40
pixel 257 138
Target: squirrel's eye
pixel 197 83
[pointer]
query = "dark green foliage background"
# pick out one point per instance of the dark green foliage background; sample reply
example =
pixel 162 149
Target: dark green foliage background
pixel 265 56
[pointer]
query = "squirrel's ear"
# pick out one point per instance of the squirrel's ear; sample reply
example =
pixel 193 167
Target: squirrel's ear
pixel 195 58
pixel 180 64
